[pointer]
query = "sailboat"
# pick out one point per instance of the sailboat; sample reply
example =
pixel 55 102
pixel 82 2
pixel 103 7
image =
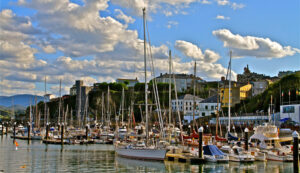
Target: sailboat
pixel 230 136
pixel 141 149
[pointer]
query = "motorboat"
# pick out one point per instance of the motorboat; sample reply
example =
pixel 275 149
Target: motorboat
pixel 213 154
pixel 237 154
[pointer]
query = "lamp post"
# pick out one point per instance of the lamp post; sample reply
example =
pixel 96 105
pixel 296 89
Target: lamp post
pixel 295 151
pixel 200 130
pixel 15 123
pixel 28 130
pixel 86 131
pixel 246 138
pixel 47 131
pixel 6 131
pixel 2 129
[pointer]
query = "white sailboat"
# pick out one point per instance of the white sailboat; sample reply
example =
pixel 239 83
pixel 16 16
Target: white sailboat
pixel 141 150
pixel 229 135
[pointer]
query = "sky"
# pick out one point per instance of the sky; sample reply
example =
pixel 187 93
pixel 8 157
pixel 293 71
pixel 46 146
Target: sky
pixel 102 40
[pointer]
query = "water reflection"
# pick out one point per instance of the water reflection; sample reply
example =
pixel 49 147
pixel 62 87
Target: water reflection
pixel 38 157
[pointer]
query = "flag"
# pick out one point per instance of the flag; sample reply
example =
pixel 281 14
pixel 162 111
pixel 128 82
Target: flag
pixel 289 92
pixel 297 92
pixel 16 143
pixel 282 94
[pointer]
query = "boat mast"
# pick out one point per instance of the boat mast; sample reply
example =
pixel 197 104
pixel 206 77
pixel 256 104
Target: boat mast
pixel 229 92
pixel 45 104
pixel 36 123
pixel 177 105
pixel 170 89
pixel 102 108
pixel 123 97
pixel 146 87
pixel 59 104
pixel 107 110
pixel 217 118
pixel 194 95
pixel 30 114
pixel 79 107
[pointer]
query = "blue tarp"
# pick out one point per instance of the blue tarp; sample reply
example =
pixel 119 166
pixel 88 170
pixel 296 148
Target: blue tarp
pixel 232 137
pixel 284 120
pixel 212 150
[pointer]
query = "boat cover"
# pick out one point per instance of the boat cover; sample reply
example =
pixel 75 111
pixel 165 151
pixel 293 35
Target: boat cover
pixel 212 150
pixel 231 137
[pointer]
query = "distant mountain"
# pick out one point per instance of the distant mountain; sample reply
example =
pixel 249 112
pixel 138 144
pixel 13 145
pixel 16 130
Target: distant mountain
pixel 19 101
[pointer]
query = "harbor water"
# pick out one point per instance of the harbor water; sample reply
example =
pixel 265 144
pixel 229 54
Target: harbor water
pixel 38 157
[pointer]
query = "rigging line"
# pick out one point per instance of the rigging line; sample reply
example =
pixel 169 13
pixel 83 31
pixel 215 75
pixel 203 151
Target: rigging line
pixel 154 81
pixel 155 90
pixel 177 106
pixel 224 86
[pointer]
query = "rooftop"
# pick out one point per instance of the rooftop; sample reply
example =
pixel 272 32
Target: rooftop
pixel 212 99
pixel 179 76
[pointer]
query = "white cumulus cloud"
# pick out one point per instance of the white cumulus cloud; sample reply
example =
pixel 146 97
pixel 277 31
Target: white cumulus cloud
pixel 253 46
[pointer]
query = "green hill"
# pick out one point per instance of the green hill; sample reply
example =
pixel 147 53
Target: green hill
pixel 261 102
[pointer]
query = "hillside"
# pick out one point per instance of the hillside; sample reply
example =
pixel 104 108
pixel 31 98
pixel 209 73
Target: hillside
pixel 261 102
pixel 20 100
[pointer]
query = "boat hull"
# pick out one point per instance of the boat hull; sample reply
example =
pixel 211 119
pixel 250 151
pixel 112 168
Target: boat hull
pixel 143 154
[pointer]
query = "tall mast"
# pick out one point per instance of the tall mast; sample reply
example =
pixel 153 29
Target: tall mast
pixel 102 107
pixel 59 104
pixel 45 104
pixel 107 110
pixel 229 93
pixel 270 113
pixel 13 107
pixel 79 107
pixel 71 118
pixel 217 118
pixel 146 86
pixel 194 95
pixel 170 89
pixel 123 97
pixel 36 119
pixel 30 113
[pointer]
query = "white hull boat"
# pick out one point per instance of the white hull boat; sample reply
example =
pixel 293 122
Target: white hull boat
pixel 274 156
pixel 142 153
pixel 237 154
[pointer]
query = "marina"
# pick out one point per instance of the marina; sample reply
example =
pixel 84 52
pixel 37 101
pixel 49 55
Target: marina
pixel 146 86
pixel 36 156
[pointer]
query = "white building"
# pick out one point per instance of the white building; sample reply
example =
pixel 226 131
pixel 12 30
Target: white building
pixel 259 87
pixel 131 82
pixel 185 104
pixel 290 111
pixel 209 106
pixel 183 81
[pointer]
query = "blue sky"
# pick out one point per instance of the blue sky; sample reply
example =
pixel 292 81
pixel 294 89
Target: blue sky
pixel 101 40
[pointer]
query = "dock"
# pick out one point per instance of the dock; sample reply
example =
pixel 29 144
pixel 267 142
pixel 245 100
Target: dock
pixel 183 157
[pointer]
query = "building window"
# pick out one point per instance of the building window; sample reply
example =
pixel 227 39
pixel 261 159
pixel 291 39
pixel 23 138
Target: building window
pixel 212 107
pixel 203 114
pixel 206 107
